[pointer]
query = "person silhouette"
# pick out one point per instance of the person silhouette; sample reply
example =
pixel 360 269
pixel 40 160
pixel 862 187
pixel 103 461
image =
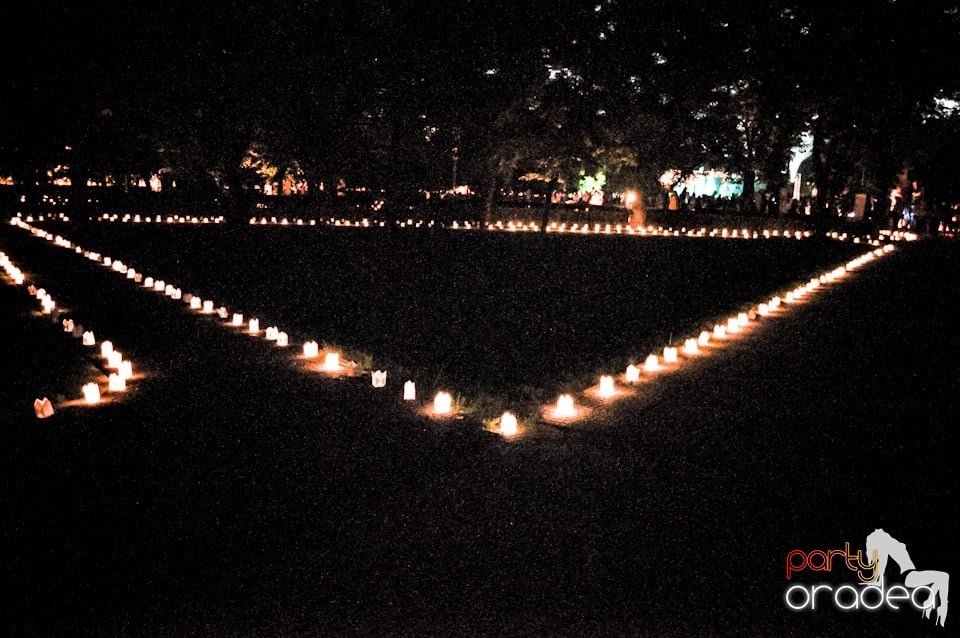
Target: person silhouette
pixel 887 547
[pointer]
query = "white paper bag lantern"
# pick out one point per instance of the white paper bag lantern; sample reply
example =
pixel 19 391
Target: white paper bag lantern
pixel 633 374
pixel 331 362
pixel 669 354
pixel 88 339
pixel 254 326
pixel 508 425
pixel 91 393
pixel 68 325
pixel 282 339
pixel 114 359
pixel 195 303
pixel 271 333
pixel 116 383
pixel 565 408
pixel 159 285
pixel 442 403
pixel 222 312
pixel 126 370
pixel 43 408
pixel 652 364
pixel 409 391
pixel 690 347
pixel 208 307
pixel 311 350
pixel 148 282
pixel 237 319
pixel 703 339
pixel 378 378
pixel 607 388
pixel 106 348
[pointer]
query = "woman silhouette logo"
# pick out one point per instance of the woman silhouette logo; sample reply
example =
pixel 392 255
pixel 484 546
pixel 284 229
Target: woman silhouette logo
pixel 937 582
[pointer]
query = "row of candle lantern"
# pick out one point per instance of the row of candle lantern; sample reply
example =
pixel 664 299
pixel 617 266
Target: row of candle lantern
pixel 159 219
pixel 593 229
pixel 116 381
pixel 565 408
pixel 331 364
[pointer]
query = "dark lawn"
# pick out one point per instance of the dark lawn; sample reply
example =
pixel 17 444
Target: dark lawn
pixel 230 494
pixel 472 312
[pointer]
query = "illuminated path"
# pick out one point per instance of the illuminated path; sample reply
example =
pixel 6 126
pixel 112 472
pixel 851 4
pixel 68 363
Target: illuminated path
pixel 568 408
pixel 117 370
pixel 234 497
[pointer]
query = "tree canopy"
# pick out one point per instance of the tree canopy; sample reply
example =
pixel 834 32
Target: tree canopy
pixel 402 95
